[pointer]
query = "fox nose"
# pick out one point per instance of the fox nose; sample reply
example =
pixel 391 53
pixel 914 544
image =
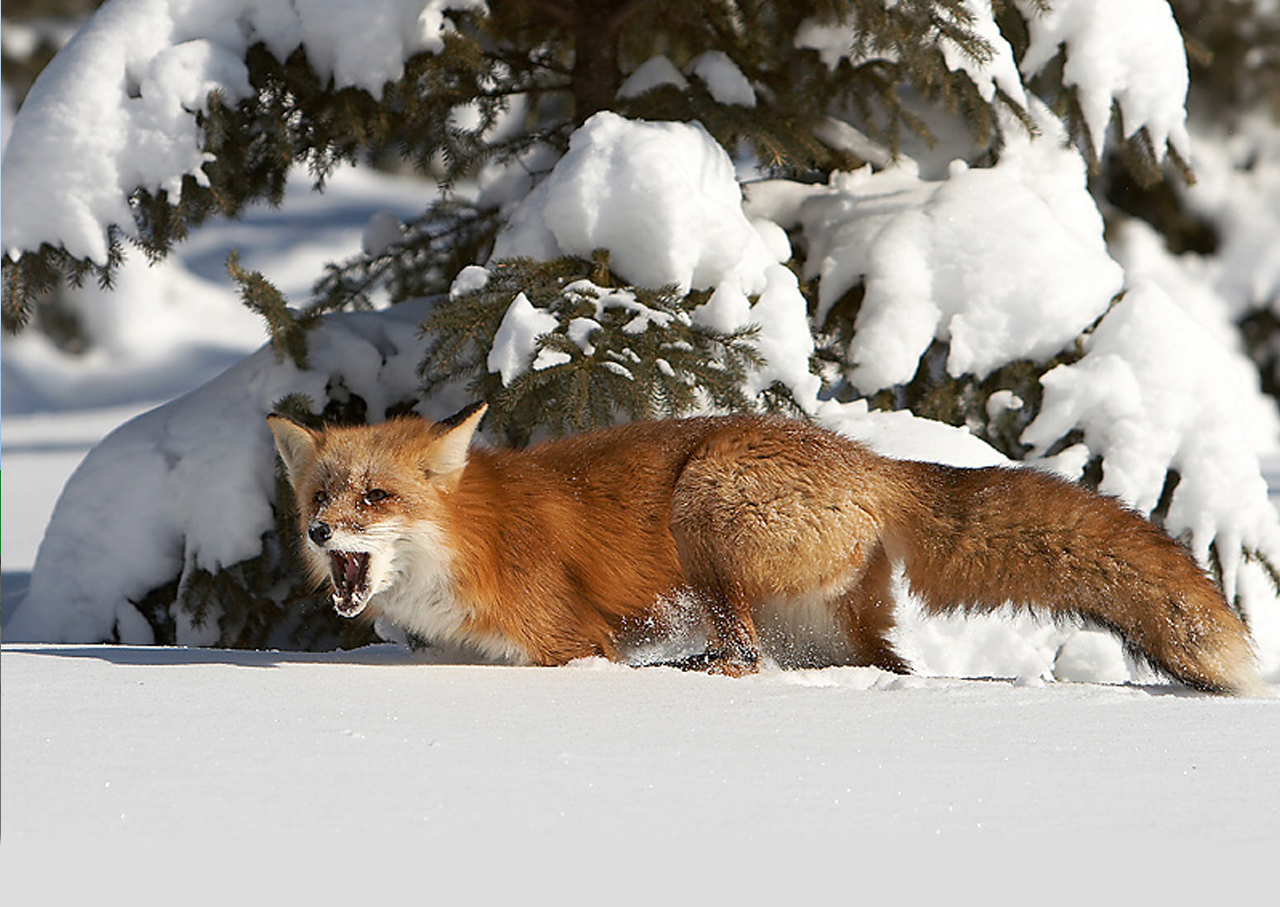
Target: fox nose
pixel 319 532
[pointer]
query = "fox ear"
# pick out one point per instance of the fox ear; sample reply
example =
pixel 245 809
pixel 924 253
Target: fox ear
pixel 450 450
pixel 297 443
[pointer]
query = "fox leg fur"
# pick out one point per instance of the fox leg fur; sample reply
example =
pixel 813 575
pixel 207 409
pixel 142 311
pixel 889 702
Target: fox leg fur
pixel 866 615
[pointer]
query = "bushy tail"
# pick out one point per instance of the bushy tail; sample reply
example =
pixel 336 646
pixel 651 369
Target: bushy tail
pixel 980 539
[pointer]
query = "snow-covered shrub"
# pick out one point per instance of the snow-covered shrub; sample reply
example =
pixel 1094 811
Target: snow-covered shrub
pixel 178 527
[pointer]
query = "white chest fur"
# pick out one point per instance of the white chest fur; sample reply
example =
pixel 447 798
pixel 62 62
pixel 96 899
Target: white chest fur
pixel 420 595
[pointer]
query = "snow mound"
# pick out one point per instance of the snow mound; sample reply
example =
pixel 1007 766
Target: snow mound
pixel 190 484
pixel 116 109
pixel 663 199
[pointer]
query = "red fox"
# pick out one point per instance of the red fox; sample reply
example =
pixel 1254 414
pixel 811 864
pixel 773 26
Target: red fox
pixel 784 534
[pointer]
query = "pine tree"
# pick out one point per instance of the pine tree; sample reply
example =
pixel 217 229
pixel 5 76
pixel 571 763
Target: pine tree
pixel 552 65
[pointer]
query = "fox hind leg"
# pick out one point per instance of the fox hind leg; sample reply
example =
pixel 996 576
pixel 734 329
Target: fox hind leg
pixel 736 644
pixel 866 615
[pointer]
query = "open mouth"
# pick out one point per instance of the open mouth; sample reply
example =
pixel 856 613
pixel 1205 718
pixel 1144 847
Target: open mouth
pixel 349 571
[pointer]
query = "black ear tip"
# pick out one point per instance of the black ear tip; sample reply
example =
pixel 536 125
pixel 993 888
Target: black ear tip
pixel 462 415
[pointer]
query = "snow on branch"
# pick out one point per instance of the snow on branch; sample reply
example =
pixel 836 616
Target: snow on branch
pixel 1128 55
pixel 117 110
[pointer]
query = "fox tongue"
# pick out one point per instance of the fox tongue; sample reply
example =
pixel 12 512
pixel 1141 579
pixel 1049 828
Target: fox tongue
pixel 348 570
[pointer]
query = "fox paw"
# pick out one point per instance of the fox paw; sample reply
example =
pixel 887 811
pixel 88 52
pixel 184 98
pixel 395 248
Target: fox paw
pixel 716 663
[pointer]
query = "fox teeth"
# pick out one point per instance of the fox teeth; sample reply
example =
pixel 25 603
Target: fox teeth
pixel 349 571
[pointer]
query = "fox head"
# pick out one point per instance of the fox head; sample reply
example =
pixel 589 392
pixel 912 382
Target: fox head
pixel 364 492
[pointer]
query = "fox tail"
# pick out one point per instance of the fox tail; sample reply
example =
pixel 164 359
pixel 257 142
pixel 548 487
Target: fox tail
pixel 981 539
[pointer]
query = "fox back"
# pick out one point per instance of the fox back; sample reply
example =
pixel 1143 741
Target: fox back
pixel 781 537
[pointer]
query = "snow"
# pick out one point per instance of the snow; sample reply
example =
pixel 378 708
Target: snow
pixel 168 328
pixel 1038 739
pixel 661 197
pixel 927 252
pixel 664 200
pixel 165 457
pixel 1238 190
pixel 840 40
pixel 514 343
pixel 724 80
pixel 384 230
pixel 120 745
pixel 997 71
pixel 715 69
pixel 116 110
pixel 373 745
pixel 1130 54
pixel 652 73
pixel 1154 395
pixel 136 513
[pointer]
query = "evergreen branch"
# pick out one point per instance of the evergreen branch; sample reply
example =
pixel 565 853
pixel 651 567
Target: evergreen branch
pixel 617 352
pixel 287 331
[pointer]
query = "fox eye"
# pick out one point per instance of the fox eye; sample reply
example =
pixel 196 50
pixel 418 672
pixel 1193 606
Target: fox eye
pixel 374 495
pixel 321 498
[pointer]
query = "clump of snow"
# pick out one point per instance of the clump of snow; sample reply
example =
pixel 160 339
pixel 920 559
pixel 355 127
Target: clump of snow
pixel 469 280
pixel 989 72
pixel 515 341
pixel 724 80
pixel 907 437
pixel 116 109
pixel 1130 53
pixel 1154 393
pixel 663 198
pixel 1002 402
pixel 998 70
pixel 785 339
pixel 383 231
pixel 839 40
pixel 364 44
pixel 1004 263
pixel 652 73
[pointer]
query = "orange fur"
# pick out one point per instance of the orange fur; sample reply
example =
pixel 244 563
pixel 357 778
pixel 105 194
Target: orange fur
pixel 785 535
